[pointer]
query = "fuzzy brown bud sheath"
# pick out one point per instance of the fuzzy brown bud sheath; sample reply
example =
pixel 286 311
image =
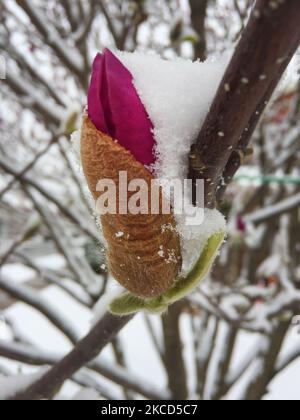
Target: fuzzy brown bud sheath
pixel 146 259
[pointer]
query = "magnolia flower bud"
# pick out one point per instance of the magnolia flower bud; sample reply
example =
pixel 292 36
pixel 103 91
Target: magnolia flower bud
pixel 144 250
pixel 117 137
pixel 134 257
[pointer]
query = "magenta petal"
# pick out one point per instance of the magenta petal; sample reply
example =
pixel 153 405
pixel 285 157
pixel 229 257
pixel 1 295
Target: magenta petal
pixel 116 109
pixel 241 225
pixel 95 109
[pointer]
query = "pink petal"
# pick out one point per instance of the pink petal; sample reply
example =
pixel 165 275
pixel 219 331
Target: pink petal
pixel 116 109
pixel 95 109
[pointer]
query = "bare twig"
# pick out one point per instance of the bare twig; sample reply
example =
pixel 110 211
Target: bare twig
pixel 82 297
pixel 72 60
pixel 267 45
pixel 28 167
pixel 87 228
pixel 173 357
pixel 275 210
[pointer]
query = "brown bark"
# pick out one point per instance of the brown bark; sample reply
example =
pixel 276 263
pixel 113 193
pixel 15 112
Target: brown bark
pixel 268 43
pixel 173 356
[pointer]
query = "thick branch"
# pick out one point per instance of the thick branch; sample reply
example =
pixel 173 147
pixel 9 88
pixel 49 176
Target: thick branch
pixel 268 43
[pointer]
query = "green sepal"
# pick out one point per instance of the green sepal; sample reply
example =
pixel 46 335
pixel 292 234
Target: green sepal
pixel 184 285
pixel 126 304
pixel 129 304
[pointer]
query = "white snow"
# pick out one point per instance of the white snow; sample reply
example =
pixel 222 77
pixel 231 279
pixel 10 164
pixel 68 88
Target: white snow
pixel 100 308
pixel 270 266
pixel 205 346
pixel 177 95
pixel 18 273
pixel 36 97
pixel 11 385
pixel 277 209
pixel 120 234
pixel 75 140
pixel 87 395
pixel 70 55
pixel 143 360
pixel 194 238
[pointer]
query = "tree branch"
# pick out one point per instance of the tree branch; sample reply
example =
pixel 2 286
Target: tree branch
pixel 31 298
pixel 275 210
pixel 86 350
pixel 287 359
pixel 68 55
pixel 29 166
pixel 37 100
pixel 173 357
pixel 268 43
pixel 198 16
pixel 87 228
pixel 36 357
pixel 263 366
